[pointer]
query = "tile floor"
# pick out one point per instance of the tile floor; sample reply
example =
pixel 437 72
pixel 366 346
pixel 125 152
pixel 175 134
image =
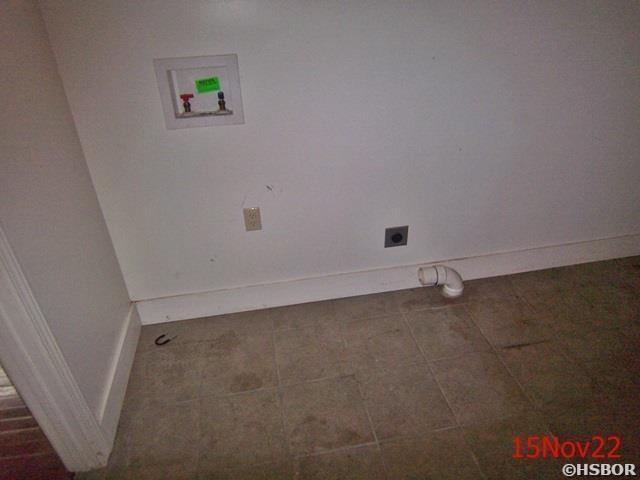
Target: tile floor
pixel 402 385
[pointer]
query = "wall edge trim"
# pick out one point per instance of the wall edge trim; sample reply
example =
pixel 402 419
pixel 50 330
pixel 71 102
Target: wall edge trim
pixel 36 365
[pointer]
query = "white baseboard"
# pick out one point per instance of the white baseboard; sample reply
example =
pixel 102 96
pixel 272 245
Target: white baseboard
pixel 340 285
pixel 119 371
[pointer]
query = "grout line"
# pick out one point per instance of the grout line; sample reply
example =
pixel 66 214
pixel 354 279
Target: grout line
pixel 317 380
pixel 352 368
pixel 444 429
pixel 275 358
pixel 366 410
pixel 460 355
pixel 257 390
pixel 335 450
pixel 437 382
pixel 475 459
pixel 200 419
pixel 425 308
pixel 543 417
pixel 430 367
pixel 348 319
pixel 324 322
pixel 279 394
pixel 496 352
pixel 201 361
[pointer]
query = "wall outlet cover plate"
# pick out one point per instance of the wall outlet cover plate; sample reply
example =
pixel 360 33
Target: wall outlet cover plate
pixel 252 219
pixel 396 236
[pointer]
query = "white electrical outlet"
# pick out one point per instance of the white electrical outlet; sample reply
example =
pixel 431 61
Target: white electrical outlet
pixel 252 220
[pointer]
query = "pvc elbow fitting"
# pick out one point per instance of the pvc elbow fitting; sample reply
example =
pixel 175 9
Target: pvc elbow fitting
pixel 446 277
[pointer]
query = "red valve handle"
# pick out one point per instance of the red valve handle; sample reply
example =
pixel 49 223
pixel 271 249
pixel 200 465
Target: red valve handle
pixel 186 96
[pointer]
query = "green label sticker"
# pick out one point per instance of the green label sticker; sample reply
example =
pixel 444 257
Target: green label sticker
pixel 205 85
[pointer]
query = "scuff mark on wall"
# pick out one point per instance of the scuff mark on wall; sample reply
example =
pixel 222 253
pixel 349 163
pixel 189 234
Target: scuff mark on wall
pixel 274 189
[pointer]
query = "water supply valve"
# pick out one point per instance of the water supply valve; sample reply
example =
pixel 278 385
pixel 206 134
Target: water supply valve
pixel 185 97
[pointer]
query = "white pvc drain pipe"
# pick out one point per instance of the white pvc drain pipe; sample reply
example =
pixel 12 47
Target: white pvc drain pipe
pixel 440 275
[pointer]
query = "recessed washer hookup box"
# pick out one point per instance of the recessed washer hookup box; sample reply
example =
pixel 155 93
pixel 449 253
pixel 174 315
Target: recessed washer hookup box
pixel 200 91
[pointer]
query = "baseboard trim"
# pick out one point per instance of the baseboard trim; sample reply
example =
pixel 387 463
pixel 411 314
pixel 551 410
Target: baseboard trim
pixel 118 378
pixel 350 284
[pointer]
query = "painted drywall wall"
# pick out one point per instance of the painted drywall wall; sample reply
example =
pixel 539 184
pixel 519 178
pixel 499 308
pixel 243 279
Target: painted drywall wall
pixel 484 126
pixel 48 207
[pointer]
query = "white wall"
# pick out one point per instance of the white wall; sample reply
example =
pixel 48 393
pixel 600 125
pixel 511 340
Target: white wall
pixel 485 126
pixel 49 210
